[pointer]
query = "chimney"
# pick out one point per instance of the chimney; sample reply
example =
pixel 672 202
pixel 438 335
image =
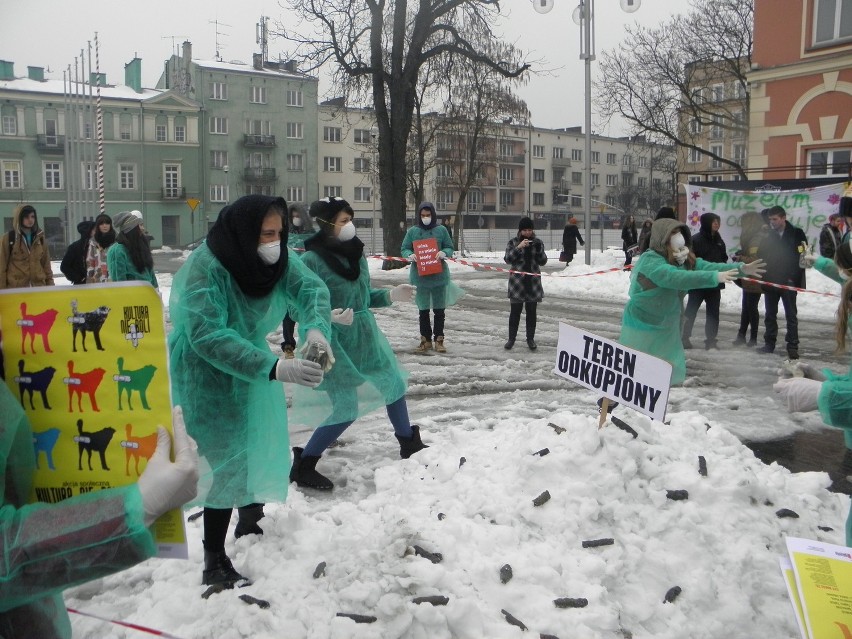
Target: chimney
pixel 133 74
pixel 35 73
pixel 7 70
pixel 290 66
pixel 186 52
pixel 257 61
pixel 95 78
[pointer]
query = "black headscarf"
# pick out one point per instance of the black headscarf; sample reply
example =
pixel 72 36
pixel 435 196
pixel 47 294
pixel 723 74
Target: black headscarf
pixel 327 246
pixel 234 237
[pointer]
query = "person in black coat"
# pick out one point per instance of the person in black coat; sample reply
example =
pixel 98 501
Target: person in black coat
pixel 570 237
pixel 629 239
pixel 524 254
pixel 709 246
pixel 830 236
pixel 73 265
pixel 782 249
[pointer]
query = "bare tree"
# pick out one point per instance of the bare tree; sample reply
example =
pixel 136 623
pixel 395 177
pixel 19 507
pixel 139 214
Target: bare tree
pixel 661 80
pixel 378 48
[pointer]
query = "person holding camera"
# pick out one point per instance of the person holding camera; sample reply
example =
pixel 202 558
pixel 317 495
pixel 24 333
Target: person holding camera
pixel 524 252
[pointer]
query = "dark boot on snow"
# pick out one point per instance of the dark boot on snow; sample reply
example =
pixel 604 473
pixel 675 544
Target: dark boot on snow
pixel 304 472
pixel 247 523
pixel 410 445
pixel 218 570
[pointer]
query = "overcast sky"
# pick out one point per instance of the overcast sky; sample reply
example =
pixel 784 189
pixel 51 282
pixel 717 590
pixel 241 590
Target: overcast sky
pixel 34 33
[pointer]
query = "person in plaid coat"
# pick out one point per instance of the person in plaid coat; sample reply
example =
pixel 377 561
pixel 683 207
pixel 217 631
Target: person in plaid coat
pixel 525 252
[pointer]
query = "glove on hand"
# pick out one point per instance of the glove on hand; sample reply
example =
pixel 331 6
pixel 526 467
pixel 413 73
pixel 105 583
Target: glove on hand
pixel 164 485
pixel 809 372
pixel 299 371
pixel 413 257
pixel 727 276
pixel 402 293
pixel 315 342
pixel 800 394
pixel 441 255
pixel 340 316
pixel 754 269
pixel 810 259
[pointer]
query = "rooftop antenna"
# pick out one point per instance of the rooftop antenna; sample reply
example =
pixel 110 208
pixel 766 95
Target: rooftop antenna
pixel 174 41
pixel 218 35
pixel 262 37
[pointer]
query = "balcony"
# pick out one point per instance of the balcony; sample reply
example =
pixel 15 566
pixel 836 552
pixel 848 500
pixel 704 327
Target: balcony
pixel 51 143
pixel 174 193
pixel 260 175
pixel 253 139
pixel 513 159
pixel 560 162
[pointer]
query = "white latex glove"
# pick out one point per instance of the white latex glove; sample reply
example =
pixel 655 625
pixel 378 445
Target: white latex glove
pixel 810 372
pixel 727 276
pixel 402 293
pixel 413 257
pixel 755 269
pixel 810 259
pixel 299 371
pixel 315 340
pixel 441 255
pixel 341 316
pixel 799 393
pixel 164 485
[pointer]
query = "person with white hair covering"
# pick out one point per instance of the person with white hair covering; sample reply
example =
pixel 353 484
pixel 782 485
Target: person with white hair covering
pixel 130 257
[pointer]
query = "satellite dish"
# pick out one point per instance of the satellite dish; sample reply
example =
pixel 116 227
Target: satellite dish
pixel 629 6
pixel 542 6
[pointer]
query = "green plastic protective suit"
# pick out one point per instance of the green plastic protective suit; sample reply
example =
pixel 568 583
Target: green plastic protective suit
pixel 122 269
pixel 220 365
pixel 49 547
pixel 651 320
pixel 433 291
pixel 365 375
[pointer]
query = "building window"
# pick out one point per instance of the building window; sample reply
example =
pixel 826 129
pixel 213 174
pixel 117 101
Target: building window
pixel 180 133
pixel 258 189
pixel 218 193
pixel 362 193
pixel 171 180
pixel 88 130
pixel 125 131
pixel 643 161
pixel 444 170
pixel 218 159
pixel 10 125
pixel 219 125
pixel 576 155
pixel 160 133
pixel 445 199
pixel 11 170
pixel 507 149
pixel 576 201
pixel 332 165
pixel 626 160
pixel 218 91
pixel 828 162
pixel 332 191
pixel 126 176
pixel 258 127
pixel 507 198
pixel 596 157
pixel 294 99
pixel 695 126
pixel 362 165
pixel 295 194
pixel 642 182
pixel 558 152
pixel 832 20
pixel 611 158
pixel 609 200
pixel 716 130
pixel 740 153
pixel 538 151
pixel 506 175
pixel 538 175
pixel 576 177
pixel 716 149
pixel 294 130
pixel 695 155
pixel 538 199
pixel 88 176
pixel 295 162
pixel 612 180
pixel 331 134
pixel 596 179
pixel 363 136
pixel 258 95
pixel 52 175
pixel 717 92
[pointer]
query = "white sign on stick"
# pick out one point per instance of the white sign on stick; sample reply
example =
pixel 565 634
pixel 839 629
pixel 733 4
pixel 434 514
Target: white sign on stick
pixel 630 377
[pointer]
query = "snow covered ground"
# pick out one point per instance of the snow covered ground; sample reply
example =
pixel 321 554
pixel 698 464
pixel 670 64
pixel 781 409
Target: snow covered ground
pixel 502 430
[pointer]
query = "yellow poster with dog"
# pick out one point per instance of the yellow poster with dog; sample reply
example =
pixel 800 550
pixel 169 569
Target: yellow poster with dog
pixel 90 367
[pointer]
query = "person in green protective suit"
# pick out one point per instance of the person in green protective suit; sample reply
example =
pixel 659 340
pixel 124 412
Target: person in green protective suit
pixel 231 293
pixel 661 277
pixel 437 291
pixel 366 373
pixel 130 258
pixel 826 391
pixel 50 547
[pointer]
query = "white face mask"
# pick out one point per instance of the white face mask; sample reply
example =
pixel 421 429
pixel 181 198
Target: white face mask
pixel 297 221
pixel 347 232
pixel 677 241
pixel 426 220
pixel 269 253
pixel 681 254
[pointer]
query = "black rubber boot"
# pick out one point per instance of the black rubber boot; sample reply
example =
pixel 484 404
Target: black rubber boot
pixel 247 523
pixel 410 445
pixel 218 569
pixel 304 472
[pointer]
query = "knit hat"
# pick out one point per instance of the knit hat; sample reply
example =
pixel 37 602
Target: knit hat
pixel 327 208
pixel 126 221
pixel 525 223
pixel 666 212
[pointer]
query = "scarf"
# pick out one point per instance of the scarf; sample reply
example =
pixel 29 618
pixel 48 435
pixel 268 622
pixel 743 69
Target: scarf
pixel 330 250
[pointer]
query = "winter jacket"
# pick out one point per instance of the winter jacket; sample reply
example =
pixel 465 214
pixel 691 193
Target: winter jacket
pixel 73 264
pixel 122 269
pixel 644 238
pixel 220 366
pixel 570 237
pixel 652 316
pixel 24 263
pixel 525 288
pixel 781 253
pixel 429 287
pixel 708 245
pixel 829 240
pixel 97 269
pixel 50 547
pixel 628 237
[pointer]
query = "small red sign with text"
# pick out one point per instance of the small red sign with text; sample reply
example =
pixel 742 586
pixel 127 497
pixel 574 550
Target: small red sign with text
pixel 427 256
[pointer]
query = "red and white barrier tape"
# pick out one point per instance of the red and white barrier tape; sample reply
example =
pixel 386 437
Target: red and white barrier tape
pixel 126 624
